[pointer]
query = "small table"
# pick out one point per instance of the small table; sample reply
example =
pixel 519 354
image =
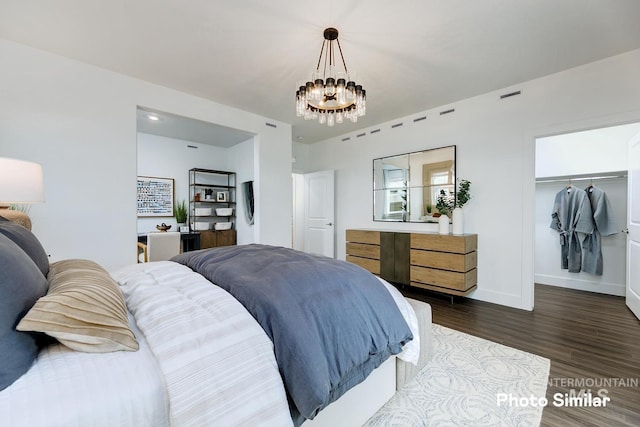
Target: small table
pixel 190 241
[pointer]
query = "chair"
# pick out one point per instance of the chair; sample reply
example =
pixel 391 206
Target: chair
pixel 160 246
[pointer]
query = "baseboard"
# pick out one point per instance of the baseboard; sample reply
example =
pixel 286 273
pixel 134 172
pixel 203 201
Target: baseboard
pixel 510 300
pixel 582 285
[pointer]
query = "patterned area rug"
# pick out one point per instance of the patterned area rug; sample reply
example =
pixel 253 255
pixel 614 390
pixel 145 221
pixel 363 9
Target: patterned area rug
pixel 461 384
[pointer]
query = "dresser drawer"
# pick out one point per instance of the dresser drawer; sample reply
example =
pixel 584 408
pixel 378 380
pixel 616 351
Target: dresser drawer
pixel 363 250
pixel 363 236
pixel 443 278
pixel 445 242
pixel 444 260
pixel 371 265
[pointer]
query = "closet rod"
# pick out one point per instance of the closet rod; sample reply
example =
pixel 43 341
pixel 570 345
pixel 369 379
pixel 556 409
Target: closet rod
pixel 612 175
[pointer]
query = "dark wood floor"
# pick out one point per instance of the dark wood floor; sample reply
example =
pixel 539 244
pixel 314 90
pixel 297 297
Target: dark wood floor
pixel 584 334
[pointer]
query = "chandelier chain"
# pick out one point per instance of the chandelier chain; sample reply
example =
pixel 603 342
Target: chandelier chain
pixel 342 56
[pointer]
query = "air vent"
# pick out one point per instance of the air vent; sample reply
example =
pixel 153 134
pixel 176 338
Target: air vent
pixel 419 119
pixel 375 131
pixel 271 125
pixel 397 125
pixel 192 146
pixel 508 95
pixel 360 135
pixel 447 111
pixel 346 139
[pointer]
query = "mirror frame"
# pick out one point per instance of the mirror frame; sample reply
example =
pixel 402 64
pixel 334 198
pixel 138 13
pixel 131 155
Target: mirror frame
pixel 405 191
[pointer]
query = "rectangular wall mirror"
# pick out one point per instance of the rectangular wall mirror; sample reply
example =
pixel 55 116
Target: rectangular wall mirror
pixel 406 187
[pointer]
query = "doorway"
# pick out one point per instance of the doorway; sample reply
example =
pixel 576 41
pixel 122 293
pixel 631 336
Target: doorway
pixel 313 227
pixel 597 158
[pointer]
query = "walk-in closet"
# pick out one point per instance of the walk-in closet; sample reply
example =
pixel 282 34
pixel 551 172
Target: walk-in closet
pixel 588 167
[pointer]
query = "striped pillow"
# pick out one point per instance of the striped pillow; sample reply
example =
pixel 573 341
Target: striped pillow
pixel 84 309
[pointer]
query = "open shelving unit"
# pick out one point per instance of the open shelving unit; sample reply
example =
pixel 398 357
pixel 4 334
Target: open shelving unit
pixel 209 191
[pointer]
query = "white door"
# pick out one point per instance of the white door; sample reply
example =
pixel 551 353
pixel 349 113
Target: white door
pixel 319 232
pixel 633 241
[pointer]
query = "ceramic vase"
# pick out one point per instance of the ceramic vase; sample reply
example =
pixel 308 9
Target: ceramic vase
pixel 443 224
pixel 458 221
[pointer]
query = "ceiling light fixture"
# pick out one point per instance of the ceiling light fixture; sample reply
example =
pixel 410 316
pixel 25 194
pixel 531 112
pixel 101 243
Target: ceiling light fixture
pixel 332 95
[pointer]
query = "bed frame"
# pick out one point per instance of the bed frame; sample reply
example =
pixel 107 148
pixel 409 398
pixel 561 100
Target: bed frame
pixel 360 403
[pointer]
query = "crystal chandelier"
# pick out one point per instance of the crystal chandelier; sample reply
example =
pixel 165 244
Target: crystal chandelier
pixel 332 95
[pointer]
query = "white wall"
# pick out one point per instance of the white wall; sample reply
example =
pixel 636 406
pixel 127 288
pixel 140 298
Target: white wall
pixel 163 157
pixel 495 142
pixel 300 160
pixel 298 212
pixel 587 152
pixel 79 122
pixel 241 160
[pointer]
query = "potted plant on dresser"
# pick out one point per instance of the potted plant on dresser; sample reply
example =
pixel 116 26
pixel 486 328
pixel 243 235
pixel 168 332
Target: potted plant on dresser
pixel 451 207
pixel 463 195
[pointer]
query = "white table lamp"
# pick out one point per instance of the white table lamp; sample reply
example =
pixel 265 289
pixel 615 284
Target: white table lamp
pixel 20 183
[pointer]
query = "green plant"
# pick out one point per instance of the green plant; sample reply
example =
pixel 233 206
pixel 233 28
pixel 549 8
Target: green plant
pixel 447 202
pixel 464 193
pixel 181 212
pixel 429 208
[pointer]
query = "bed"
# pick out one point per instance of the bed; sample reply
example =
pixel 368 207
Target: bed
pixel 181 351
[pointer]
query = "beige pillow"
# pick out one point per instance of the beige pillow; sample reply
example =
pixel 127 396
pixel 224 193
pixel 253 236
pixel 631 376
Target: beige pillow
pixel 84 309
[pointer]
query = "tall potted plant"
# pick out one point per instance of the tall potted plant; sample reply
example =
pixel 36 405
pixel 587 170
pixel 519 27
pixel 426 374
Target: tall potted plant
pixel 181 213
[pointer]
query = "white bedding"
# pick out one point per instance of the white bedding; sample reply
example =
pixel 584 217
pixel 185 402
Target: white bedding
pixel 218 363
pixel 203 359
pixel 67 388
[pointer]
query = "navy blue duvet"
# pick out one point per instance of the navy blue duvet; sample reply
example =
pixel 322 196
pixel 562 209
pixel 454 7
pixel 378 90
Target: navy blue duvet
pixel 331 322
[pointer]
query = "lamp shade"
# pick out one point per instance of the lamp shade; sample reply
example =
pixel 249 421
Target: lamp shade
pixel 20 182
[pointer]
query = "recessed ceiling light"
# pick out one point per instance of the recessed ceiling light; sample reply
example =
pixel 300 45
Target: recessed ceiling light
pixel 153 118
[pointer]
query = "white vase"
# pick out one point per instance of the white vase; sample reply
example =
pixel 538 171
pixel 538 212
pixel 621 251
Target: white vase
pixel 443 224
pixel 458 221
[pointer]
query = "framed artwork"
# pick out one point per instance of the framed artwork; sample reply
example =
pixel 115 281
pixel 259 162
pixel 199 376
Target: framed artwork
pixel 222 196
pixel 155 196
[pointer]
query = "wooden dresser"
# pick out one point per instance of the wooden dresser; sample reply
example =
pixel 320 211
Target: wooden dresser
pixel 443 263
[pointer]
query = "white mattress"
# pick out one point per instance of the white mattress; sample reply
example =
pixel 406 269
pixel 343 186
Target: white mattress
pixel 68 388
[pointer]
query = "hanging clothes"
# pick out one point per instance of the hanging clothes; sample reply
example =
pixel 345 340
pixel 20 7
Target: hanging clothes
pixel 573 219
pixel 603 225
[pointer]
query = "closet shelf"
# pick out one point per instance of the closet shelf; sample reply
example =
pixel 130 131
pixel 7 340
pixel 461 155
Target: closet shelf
pixel 583 177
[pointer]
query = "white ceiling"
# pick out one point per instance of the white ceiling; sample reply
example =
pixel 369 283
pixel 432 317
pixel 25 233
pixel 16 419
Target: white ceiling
pixel 170 125
pixel 411 55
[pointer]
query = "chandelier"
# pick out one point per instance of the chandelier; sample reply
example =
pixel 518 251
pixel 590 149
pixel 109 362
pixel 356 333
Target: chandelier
pixel 332 95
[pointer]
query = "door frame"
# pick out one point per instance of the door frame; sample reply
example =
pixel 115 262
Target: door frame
pixel 632 297
pixel 529 186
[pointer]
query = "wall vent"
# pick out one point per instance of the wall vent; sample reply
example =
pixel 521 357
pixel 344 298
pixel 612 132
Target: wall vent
pixel 419 119
pixel 447 111
pixel 271 125
pixel 360 135
pixel 375 131
pixel 192 146
pixel 346 139
pixel 507 95
pixel 397 125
